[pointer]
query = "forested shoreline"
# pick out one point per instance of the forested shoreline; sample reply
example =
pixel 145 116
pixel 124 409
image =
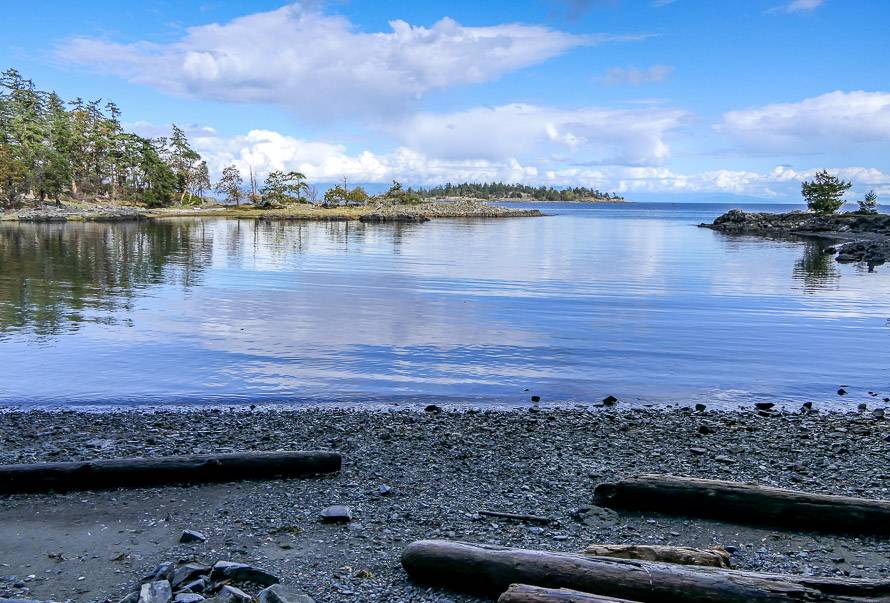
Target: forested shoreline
pixel 501 190
pixel 50 148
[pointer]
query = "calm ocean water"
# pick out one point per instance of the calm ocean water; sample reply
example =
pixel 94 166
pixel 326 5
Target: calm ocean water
pixel 631 300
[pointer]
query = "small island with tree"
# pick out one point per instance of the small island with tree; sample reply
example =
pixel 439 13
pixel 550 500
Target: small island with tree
pixel 863 234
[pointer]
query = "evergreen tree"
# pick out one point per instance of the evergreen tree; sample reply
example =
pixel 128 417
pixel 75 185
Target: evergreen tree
pixel 869 204
pixel 283 187
pixel 825 194
pixel 230 184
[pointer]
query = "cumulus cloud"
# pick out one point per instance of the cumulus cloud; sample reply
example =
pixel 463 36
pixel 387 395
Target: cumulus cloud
pixel 320 64
pixel 636 76
pixel 589 134
pixel 797 6
pixel 322 162
pixel 837 119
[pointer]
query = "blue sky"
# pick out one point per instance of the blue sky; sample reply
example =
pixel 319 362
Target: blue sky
pixel 645 97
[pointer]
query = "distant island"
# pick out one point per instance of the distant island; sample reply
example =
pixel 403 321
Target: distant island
pixel 520 192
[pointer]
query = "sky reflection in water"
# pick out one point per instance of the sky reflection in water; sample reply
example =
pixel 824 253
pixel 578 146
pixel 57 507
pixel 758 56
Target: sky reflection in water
pixel 627 300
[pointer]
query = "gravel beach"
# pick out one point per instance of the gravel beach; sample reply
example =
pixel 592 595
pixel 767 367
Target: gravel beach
pixel 410 474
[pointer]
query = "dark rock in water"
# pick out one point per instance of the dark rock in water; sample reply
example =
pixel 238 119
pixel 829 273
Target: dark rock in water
pixel 873 248
pixel 764 405
pixel 700 407
pixel 230 594
pixel 156 592
pixel 807 406
pixel 610 400
pixel 283 594
pixel 886 399
pixel 432 408
pixel 163 572
pixel 192 536
pixel 241 572
pixel 385 217
pixel 188 573
pixel 841 392
pixel 536 398
pixel 336 514
pixel 863 406
pixel 878 413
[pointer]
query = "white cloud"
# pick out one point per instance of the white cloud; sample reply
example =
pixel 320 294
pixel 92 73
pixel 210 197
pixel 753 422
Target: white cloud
pixel 636 76
pixel 322 162
pixel 589 134
pixel 321 65
pixel 797 6
pixel 836 119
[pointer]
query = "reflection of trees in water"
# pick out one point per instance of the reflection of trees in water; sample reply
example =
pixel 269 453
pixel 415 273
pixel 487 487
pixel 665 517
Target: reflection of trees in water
pixel 53 275
pixel 816 268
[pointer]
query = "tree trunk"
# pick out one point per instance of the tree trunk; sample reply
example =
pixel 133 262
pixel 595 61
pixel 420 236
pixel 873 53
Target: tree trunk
pixel 523 593
pixel 747 503
pixel 680 555
pixel 489 570
pixel 136 472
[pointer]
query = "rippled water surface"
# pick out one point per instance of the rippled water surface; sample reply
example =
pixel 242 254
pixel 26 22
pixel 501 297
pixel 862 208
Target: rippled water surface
pixel 631 300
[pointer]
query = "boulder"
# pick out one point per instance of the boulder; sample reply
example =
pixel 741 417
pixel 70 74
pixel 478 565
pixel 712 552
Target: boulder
pixel 280 593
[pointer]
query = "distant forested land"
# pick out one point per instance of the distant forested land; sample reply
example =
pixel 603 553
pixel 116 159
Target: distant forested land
pixel 500 190
pixel 50 147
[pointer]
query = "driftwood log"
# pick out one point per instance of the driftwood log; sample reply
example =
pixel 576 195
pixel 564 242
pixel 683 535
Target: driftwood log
pixel 134 472
pixel 746 503
pixel 489 570
pixel 681 555
pixel 524 593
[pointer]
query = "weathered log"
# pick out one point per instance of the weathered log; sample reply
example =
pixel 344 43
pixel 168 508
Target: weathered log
pixel 489 570
pixel 716 557
pixel 134 472
pixel 746 503
pixel 524 593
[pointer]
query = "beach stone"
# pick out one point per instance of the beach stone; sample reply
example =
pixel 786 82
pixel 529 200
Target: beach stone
pixel 229 570
pixel 156 592
pixel 133 597
pixel 230 594
pixel 197 586
pixel 764 405
pixel 188 573
pixel 192 536
pixel 596 516
pixel 336 514
pixel 432 408
pixel 384 490
pixel 610 400
pixel 700 407
pixel 279 593
pixel 162 572
pixel 188 598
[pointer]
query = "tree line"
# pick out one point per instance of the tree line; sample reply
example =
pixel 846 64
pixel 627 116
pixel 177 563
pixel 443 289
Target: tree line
pixel 500 190
pixel 824 194
pixel 50 147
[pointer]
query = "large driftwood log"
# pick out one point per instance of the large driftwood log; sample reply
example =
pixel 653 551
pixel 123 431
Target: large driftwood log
pixel 114 473
pixel 523 593
pixel 681 555
pixel 746 503
pixel 489 570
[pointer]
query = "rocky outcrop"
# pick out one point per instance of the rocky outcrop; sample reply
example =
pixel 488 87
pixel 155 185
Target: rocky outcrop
pixel 864 237
pixel 379 217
